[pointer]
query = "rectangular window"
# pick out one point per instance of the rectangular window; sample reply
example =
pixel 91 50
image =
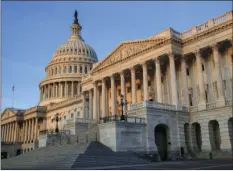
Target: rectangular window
pixel 187 71
pixel 129 89
pixel 138 87
pixel 75 69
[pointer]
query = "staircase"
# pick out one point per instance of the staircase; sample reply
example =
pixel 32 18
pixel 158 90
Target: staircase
pixel 99 155
pixel 52 157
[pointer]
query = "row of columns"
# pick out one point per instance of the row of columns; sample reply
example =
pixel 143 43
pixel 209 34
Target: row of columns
pixel 158 85
pixel 60 90
pixel 30 131
pixel 10 131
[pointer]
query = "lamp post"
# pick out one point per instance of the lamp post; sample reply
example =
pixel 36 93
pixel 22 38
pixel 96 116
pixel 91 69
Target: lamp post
pixel 123 103
pixel 57 119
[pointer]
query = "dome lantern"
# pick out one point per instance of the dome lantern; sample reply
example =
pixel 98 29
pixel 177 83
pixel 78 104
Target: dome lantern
pixel 75 28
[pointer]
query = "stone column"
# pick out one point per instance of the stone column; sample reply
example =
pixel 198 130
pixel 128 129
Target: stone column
pixel 90 105
pixel 225 144
pixel 184 82
pixel 26 131
pixel 173 79
pixel 72 89
pixel 221 96
pixel 35 128
pixel 2 130
pixel 8 133
pixel 123 88
pixel 205 136
pixel 83 104
pixel 202 100
pixel 113 95
pixel 23 134
pixel 16 138
pixel 145 81
pixel 4 133
pixel 158 81
pixel 78 88
pixel 94 101
pixel 29 129
pixel 133 85
pixel 103 98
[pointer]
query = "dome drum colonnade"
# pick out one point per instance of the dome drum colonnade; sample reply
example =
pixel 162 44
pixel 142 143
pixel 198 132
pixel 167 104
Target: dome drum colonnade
pixel 100 106
pixel 64 73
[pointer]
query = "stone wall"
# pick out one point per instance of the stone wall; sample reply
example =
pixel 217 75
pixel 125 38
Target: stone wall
pixel 122 136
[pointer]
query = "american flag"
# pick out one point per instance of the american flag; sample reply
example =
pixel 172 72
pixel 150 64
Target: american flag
pixel 13 88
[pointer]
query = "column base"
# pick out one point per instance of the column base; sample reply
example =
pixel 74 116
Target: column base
pixel 220 102
pixel 201 106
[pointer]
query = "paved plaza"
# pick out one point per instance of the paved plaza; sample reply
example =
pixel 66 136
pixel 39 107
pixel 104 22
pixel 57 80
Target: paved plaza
pixel 226 164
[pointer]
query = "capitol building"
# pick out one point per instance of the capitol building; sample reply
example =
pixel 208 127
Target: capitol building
pixel 169 94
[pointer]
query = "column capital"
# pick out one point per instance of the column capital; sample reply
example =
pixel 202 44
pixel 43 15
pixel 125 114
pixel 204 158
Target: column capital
pixel 170 55
pixel 214 46
pixel 132 68
pixel 197 52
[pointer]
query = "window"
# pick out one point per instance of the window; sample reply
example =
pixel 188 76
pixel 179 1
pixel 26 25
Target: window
pixel 71 115
pixel 55 70
pixel 213 64
pixel 187 71
pixel 138 87
pixel 80 69
pixel 119 92
pixel 75 69
pixel 70 69
pixel 78 113
pixel 85 69
pixel 52 71
pixel 203 67
pixel 149 83
pixel 110 94
pixel 64 70
pixel 129 89
pixel 161 79
pixel 65 117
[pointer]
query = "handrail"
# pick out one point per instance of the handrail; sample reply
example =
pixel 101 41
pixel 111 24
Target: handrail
pixel 127 119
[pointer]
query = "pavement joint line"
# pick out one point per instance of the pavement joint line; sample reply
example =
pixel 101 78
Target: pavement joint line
pixel 210 166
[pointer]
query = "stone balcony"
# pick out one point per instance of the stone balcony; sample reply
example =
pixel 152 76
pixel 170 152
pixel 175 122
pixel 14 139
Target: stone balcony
pixel 157 105
pixel 204 26
pixel 152 104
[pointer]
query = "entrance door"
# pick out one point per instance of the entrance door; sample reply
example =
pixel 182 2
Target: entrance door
pixel 161 141
pixel 3 155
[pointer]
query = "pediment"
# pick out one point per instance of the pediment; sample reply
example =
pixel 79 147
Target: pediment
pixel 127 49
pixel 7 113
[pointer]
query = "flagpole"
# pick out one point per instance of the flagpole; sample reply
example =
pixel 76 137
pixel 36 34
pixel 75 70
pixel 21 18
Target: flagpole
pixel 13 89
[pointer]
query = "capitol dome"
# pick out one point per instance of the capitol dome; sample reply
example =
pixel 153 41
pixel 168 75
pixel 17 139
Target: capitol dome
pixel 64 72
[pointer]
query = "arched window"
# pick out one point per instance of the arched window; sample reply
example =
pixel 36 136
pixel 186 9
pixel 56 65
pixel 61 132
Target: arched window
pixel 75 69
pixel 80 69
pixel 64 70
pixel 70 69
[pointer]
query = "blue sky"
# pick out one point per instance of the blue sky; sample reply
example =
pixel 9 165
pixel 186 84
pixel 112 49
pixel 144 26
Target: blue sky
pixel 31 31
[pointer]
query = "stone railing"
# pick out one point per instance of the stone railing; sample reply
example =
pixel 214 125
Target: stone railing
pixel 127 119
pixel 35 109
pixel 157 105
pixel 209 106
pixel 52 132
pixel 206 25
